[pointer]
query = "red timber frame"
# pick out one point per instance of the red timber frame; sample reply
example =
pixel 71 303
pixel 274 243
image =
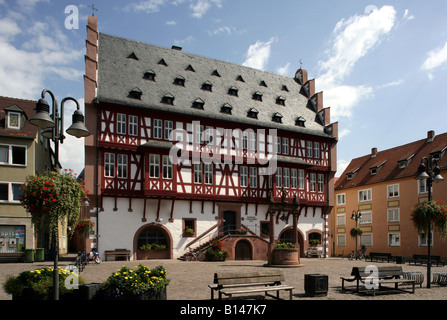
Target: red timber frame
pixel 226 180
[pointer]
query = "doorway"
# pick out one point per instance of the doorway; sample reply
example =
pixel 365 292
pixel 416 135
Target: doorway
pixel 243 250
pixel 229 222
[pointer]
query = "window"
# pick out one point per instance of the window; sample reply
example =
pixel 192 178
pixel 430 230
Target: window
pixel 285 145
pixel 10 192
pixel 198 173
pixel 109 165
pixel 121 123
pixel 423 239
pixel 277 117
pixel 341 220
pixel 13 120
pixel 198 104
pixel 293 179
pixel 341 240
pixel 154 166
pixel 320 184
pixel 253 141
pixel 168 128
pixel 208 173
pixel 13 155
pixel 281 101
pixel 394 215
pixel 244 176
pixel 301 179
pixel 313 182
pixel 341 199
pixel 149 75
pixel 422 186
pixel 226 108
pixel 257 96
pixel 252 113
pixel 253 177
pixel 207 86
pixel 286 178
pixel 300 121
pixel 135 94
pixel 244 140
pixel 394 239
pixel 189 227
pixel 167 168
pixel 366 240
pixel 133 125
pixel 168 99
pixel 278 177
pixel 366 218
pixel 365 195
pixel 122 166
pixel 309 149
pixel 393 191
pixel 233 91
pixel 158 127
pixel 316 150
pixel 278 145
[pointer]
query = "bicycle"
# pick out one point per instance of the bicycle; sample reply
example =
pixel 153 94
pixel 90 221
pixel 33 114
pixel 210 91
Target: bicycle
pixel 194 255
pixel 356 255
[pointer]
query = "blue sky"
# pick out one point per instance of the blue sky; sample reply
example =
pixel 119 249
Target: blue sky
pixel 382 65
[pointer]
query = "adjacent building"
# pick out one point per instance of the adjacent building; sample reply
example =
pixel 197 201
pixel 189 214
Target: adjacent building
pixel 382 187
pixel 23 152
pixel 185 149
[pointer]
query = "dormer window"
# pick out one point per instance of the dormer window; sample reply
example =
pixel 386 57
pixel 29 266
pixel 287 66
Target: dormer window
pixel 14 120
pixel 190 68
pixel 277 117
pixel 179 81
pixel 257 96
pixel 263 84
pixel 351 174
pixel 132 56
pixel 215 73
pixel 239 78
pixel 135 94
pixel 162 62
pixel 226 108
pixel 168 99
pixel 233 91
pixel 284 88
pixel 149 75
pixel 198 104
pixel 300 121
pixel 374 170
pixel 281 101
pixel 253 113
pixel 207 86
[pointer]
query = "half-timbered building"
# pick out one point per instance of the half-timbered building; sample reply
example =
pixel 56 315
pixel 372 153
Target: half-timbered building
pixel 185 149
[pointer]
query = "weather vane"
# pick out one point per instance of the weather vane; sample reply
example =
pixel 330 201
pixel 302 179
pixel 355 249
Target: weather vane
pixel 93 9
pixel 301 64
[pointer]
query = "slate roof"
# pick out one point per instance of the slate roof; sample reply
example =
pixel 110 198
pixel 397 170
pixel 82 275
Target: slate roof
pixel 122 64
pixel 25 106
pixel 387 162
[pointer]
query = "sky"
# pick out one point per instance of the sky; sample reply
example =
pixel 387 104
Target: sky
pixel 382 65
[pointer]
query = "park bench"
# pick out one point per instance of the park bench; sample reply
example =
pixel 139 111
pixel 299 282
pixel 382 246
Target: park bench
pixel 421 259
pixel 439 277
pixel 380 256
pixel 318 253
pixel 118 253
pixel 385 275
pixel 11 257
pixel 230 284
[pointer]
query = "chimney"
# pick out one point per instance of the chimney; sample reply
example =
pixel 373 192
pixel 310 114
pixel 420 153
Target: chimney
pixel 430 136
pixel 373 152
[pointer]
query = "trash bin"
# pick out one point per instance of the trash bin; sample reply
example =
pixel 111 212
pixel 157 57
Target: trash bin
pixel 29 256
pixel 316 284
pixel 40 255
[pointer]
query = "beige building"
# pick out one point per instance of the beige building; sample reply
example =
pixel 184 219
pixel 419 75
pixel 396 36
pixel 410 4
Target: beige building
pixel 382 187
pixel 23 152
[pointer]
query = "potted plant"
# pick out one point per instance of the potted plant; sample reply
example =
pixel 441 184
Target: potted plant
pixel 152 251
pixel 242 230
pixel 139 283
pixel 356 231
pixel 85 226
pixel 314 242
pixel 189 231
pixel 38 284
pixel 216 252
pixel 284 254
pixel 428 214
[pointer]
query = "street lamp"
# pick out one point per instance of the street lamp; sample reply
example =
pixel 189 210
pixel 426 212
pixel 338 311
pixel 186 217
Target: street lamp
pixel 356 215
pixel 53 129
pixel 431 173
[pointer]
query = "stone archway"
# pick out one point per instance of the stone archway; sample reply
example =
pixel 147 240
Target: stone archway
pixel 152 233
pixel 286 235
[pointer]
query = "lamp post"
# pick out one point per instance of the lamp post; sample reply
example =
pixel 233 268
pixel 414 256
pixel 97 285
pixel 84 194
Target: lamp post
pixel 356 215
pixel 431 173
pixel 53 129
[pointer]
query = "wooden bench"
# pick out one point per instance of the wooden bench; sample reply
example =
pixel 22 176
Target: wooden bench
pixel 12 257
pixel 118 253
pixel 230 284
pixel 421 259
pixel 314 253
pixel 385 275
pixel 380 256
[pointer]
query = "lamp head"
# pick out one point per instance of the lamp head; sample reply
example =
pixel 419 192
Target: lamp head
pixel 78 128
pixel 42 117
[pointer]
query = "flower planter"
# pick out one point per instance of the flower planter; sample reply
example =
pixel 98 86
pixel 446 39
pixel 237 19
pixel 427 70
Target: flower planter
pixel 152 254
pixel 284 257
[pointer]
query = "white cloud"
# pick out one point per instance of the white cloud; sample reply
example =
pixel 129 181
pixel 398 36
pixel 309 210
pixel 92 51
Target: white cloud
pixel 258 54
pixel 354 38
pixel 341 166
pixel 284 70
pixel 200 7
pixel 148 6
pixel 436 58
pixel 407 15
pixel 171 23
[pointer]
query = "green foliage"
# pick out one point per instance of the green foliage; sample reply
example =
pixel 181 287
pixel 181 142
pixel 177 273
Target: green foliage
pixel 153 246
pixel 127 283
pixel 216 251
pixel 426 214
pixel 285 245
pixel 40 281
pixel 52 197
